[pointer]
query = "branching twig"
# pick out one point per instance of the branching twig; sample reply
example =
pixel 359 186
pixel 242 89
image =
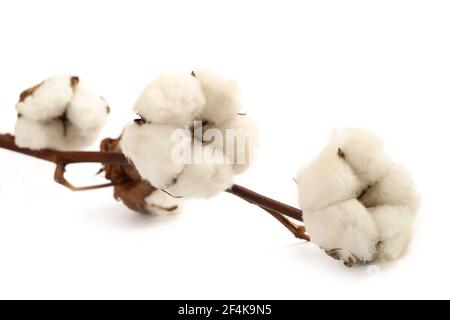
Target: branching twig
pixel 63 158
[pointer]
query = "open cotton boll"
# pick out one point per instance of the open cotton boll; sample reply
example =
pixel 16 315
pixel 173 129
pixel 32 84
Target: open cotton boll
pixel 150 147
pixel 38 135
pixel 172 98
pixel 364 152
pixel 239 141
pixel 206 177
pixel 326 181
pixel 162 204
pixel 354 168
pixel 61 113
pixel 47 100
pixel 87 110
pixel 222 97
pixel 346 228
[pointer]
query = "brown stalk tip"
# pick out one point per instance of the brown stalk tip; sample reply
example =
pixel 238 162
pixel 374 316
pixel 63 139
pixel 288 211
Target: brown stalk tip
pixel 74 81
pixel 29 92
pixel 108 109
pixel 193 74
pixel 341 153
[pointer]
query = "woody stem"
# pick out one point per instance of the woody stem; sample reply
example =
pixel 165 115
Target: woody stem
pixel 63 158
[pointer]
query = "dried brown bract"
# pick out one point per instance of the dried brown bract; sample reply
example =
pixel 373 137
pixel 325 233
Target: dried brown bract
pixel 129 187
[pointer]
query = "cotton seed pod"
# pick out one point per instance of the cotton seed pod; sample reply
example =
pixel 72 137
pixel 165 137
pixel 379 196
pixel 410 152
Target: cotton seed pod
pixel 136 193
pixel 60 113
pixel 358 204
pixel 178 145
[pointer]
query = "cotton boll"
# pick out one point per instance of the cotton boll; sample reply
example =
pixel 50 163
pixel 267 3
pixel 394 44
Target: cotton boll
pixel 162 204
pixel 38 135
pixel 60 113
pixel 171 99
pixel 383 195
pixel 222 97
pixel 326 181
pixel 395 228
pixel 150 147
pixel 87 110
pixel 47 100
pixel 238 139
pixel 205 178
pixel 364 152
pixel 347 228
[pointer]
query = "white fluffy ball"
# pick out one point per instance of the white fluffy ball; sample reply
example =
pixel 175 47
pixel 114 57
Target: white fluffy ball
pixel 203 108
pixel 60 113
pixel 358 204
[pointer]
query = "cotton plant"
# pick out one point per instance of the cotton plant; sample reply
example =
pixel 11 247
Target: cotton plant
pixel 189 140
pixel 358 204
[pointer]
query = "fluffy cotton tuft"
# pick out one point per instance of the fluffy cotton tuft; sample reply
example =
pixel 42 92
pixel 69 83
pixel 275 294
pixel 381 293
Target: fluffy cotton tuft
pixel 358 204
pixel 150 147
pixel 46 100
pixel 205 179
pixel 240 141
pixel 172 98
pixel 222 97
pixel 198 110
pixel 38 135
pixel 60 113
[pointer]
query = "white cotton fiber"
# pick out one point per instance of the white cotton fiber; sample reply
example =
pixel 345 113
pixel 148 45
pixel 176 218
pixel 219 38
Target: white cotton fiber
pixel 364 152
pixel 326 181
pixel 346 226
pixel 202 106
pixel 395 229
pixel 49 100
pixel 172 98
pixel 38 134
pixel 60 113
pixel 222 97
pixel 240 142
pixel 204 179
pixel 357 200
pixel 150 147
pixel 87 110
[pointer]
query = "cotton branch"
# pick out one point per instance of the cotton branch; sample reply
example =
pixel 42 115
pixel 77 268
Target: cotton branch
pixel 63 158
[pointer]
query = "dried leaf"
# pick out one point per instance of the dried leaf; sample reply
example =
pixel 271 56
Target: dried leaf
pixel 129 187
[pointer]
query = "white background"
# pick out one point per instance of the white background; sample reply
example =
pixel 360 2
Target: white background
pixel 304 67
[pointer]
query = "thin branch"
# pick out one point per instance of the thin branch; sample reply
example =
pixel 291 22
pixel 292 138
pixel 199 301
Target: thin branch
pixel 64 158
pixel 265 202
pixel 297 230
pixel 60 178
pixel 67 157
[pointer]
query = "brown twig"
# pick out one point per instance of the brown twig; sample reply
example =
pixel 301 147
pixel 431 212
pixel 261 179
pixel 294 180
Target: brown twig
pixel 64 158
pixel 297 230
